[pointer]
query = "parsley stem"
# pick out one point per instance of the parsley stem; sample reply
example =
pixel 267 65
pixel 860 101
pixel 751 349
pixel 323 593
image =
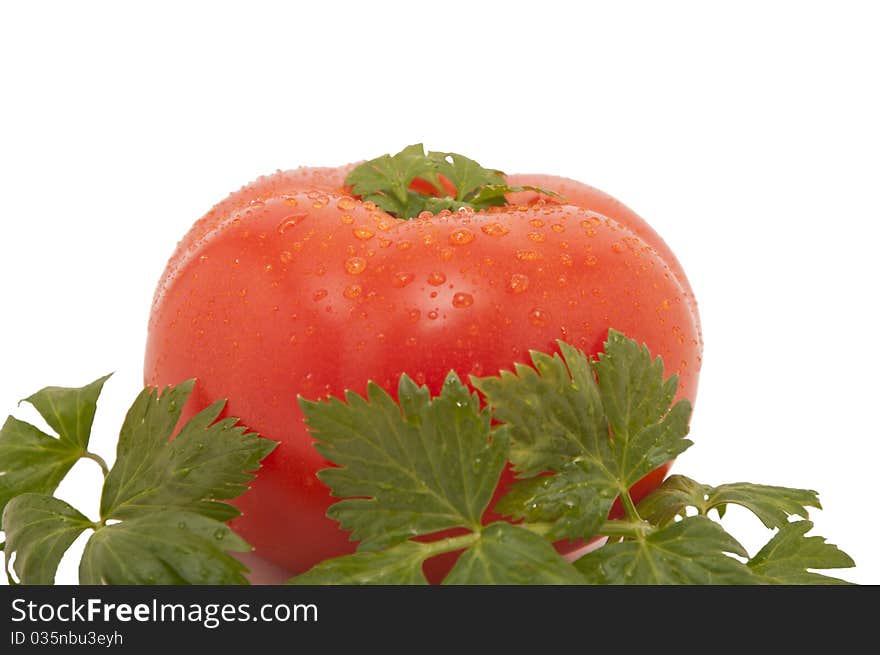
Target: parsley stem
pixel 623 528
pixel 450 544
pixel 629 506
pixel 99 460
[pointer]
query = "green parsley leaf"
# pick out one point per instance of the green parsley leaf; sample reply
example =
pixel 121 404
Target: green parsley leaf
pixel 400 564
pixel 508 554
pixel 415 468
pixel 31 461
pixel 39 530
pixel 69 411
pixel 772 505
pixel 161 521
pixel 789 555
pixel 598 438
pixel 163 547
pixel 209 459
pixel 386 182
pixel 691 551
pixel 466 175
pixel 411 474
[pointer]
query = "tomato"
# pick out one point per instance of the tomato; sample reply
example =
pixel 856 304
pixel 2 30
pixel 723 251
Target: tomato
pixel 292 287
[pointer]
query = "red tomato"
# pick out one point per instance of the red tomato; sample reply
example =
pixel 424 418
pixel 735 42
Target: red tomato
pixel 290 287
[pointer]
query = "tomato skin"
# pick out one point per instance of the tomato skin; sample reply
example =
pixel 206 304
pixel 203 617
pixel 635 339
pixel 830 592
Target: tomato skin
pixel 291 288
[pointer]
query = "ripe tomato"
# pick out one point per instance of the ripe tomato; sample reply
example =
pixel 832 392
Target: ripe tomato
pixel 292 287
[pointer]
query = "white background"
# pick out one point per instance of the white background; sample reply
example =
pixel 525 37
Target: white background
pixel 746 134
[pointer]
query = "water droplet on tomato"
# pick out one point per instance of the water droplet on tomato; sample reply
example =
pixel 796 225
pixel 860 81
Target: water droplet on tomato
pixel 403 244
pixel 558 227
pixel 436 278
pixel 617 247
pixel 445 254
pixel 291 221
pixel 518 283
pixel 432 314
pixel 346 203
pixel 363 233
pixel 536 222
pixel 495 229
pixel 355 265
pixel 538 317
pixel 286 256
pixel 347 219
pixel 414 315
pixel 461 236
pixel 400 280
pixel 527 255
pixel 352 291
pixel 461 300
pixel 537 237
pixel 320 293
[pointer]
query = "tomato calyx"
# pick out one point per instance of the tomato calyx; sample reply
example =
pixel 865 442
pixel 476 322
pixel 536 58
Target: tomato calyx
pixel 414 181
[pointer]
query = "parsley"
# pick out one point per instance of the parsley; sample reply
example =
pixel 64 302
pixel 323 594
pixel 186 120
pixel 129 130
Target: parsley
pixel 386 180
pixel 415 476
pixel 579 432
pixel 162 519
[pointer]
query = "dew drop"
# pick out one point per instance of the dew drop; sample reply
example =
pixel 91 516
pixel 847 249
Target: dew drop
pixel 557 227
pixel 347 219
pixel 537 237
pixel 590 260
pixel 346 203
pixel 432 314
pixel 527 255
pixel 400 280
pixel 403 244
pixel 446 254
pixel 286 256
pixel 436 278
pixel 219 534
pixel 291 221
pixel 495 230
pixel 461 300
pixel 414 315
pixel 355 265
pixel 320 293
pixel 617 247
pixel 518 283
pixel 352 291
pixel 461 236
pixel 536 222
pixel 538 317
pixel 363 233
